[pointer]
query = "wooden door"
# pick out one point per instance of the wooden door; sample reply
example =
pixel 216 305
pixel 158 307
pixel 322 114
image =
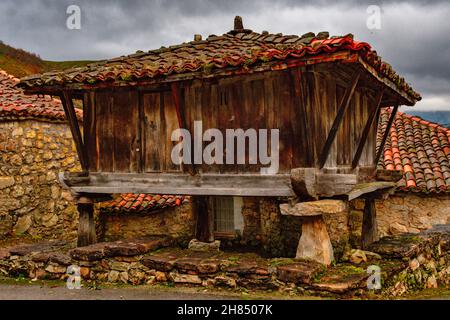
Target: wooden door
pixel 159 120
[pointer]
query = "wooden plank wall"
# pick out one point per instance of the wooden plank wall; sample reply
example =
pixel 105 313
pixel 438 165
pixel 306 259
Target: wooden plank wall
pixel 111 131
pixel 262 101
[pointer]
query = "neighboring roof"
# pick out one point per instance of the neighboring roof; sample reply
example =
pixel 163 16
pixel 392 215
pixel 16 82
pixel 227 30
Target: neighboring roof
pixel 421 149
pixel 137 203
pixel 239 49
pixel 15 105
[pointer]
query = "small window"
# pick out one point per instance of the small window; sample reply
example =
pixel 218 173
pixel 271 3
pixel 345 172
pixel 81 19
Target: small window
pixel 223 214
pixel 228 218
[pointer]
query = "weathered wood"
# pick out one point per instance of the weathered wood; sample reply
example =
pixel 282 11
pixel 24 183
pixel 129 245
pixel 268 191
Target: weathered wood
pixel 386 134
pixel 369 187
pixel 151 132
pixel 69 110
pixel 389 175
pixel 301 114
pixel 86 224
pixel 204 231
pixel 179 108
pixel 182 183
pixel 338 120
pixel 315 243
pixel 329 185
pixel 310 182
pixel 90 130
pixel 369 227
pixel 367 128
pixel 303 182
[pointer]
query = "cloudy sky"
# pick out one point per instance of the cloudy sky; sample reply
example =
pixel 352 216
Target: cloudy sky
pixel 414 36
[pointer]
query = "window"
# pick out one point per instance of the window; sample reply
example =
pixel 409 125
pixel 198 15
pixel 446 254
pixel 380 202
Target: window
pixel 227 216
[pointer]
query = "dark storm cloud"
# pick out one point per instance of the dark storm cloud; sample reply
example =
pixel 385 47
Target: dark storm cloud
pixel 414 38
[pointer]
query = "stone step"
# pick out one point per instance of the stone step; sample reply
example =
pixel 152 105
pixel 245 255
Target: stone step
pixel 127 248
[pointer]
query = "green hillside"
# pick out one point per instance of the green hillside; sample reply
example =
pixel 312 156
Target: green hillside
pixel 20 63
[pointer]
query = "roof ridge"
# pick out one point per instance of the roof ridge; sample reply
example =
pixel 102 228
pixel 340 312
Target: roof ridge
pixel 424 122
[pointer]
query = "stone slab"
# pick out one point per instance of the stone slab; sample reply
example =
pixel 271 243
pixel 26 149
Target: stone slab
pixel 28 249
pixel 159 262
pixel 299 272
pixel 342 279
pixel 313 208
pixel 89 253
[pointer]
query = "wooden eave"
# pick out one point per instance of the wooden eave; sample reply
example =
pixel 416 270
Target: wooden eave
pixel 344 57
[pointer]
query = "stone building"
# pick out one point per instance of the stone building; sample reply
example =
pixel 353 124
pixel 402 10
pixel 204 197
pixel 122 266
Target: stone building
pixel 35 145
pixel 421 150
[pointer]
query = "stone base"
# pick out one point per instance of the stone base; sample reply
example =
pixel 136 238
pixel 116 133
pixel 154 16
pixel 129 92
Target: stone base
pixel 315 242
pixel 409 263
pixel 196 245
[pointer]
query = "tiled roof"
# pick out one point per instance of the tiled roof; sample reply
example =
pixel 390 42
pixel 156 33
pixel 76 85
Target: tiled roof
pixel 240 50
pixel 135 203
pixel 421 149
pixel 15 105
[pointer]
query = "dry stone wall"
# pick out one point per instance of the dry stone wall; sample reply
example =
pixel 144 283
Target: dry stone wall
pixel 178 222
pixel 32 153
pixel 401 213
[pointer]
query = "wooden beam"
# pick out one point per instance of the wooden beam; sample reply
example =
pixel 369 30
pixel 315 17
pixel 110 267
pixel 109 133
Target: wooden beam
pixel 367 128
pixel 86 224
pixel 181 183
pixel 345 102
pixel 204 218
pixel 388 175
pixel 369 232
pixel 386 134
pixel 74 128
pixel 369 187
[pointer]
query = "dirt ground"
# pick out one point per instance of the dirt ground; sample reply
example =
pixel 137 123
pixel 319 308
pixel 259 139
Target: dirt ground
pixel 17 289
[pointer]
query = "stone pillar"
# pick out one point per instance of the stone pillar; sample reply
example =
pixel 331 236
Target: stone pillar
pixel 86 224
pixel 315 241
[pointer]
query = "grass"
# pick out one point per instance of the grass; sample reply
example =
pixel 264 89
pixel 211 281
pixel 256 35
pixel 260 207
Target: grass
pixel 21 63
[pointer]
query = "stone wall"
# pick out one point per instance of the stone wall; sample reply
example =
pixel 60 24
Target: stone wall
pixel 32 153
pixel 177 222
pixel 401 213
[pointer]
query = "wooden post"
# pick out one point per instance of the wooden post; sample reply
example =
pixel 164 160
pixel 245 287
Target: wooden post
pixel 86 225
pixel 369 227
pixel 204 219
pixel 71 116
pixel 365 133
pixel 386 134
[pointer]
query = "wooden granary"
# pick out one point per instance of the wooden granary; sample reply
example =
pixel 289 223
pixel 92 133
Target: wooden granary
pixel 322 93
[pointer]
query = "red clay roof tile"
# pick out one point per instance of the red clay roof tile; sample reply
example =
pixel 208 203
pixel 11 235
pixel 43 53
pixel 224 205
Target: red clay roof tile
pixel 421 149
pixel 15 105
pixel 244 51
pixel 132 203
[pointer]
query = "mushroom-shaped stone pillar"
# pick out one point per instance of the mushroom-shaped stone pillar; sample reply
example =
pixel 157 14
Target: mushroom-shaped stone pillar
pixel 314 242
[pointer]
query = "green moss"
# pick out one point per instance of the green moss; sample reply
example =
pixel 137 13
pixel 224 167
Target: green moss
pixel 280 262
